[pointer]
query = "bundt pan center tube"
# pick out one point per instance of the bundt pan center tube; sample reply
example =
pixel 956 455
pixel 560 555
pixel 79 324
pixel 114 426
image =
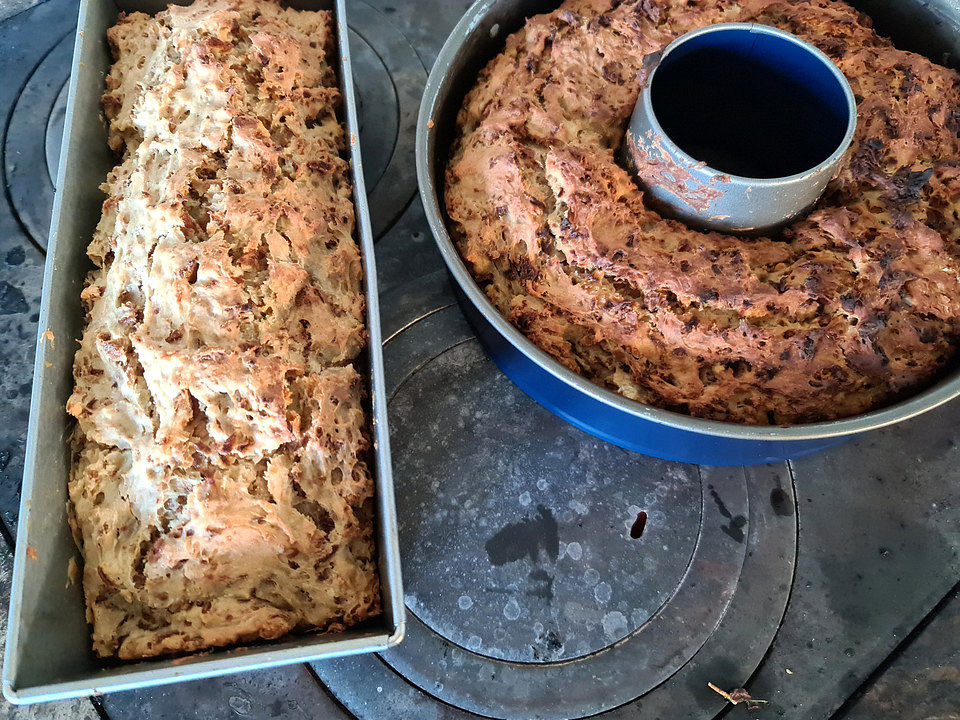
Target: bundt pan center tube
pixel 739 127
pixel 932 28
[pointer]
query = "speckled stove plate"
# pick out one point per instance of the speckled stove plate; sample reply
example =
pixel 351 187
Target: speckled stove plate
pixel 552 609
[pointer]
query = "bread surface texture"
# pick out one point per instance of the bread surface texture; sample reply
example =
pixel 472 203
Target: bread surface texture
pixel 851 308
pixel 220 490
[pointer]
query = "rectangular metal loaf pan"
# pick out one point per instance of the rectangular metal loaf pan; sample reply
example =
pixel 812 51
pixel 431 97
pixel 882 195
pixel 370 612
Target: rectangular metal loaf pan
pixel 48 653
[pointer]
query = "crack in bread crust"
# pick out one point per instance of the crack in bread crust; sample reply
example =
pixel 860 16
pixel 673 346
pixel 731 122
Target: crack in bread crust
pixel 220 490
pixel 853 307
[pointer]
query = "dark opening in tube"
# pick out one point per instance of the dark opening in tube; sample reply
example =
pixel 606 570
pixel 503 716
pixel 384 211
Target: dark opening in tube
pixel 749 104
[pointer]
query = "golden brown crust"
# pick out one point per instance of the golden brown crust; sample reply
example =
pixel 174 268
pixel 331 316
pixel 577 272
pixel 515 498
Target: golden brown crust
pixel 853 307
pixel 219 490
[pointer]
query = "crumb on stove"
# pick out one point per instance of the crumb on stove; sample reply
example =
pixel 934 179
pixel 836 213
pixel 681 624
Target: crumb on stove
pixel 737 696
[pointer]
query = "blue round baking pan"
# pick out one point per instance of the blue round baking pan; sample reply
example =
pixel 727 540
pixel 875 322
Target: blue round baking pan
pixel 477 37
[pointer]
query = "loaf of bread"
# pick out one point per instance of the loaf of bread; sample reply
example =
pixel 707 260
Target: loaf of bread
pixel 853 307
pixel 219 490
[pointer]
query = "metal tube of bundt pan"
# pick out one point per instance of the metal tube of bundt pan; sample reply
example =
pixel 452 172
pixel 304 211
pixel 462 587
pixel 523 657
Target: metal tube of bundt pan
pixel 475 40
pixel 718 198
pixel 48 653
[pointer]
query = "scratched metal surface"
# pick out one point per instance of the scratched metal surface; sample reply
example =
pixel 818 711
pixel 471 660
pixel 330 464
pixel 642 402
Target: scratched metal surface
pixel 921 682
pixel 516 528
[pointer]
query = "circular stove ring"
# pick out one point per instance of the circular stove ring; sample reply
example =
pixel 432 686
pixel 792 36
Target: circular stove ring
pixel 740 544
pixel 26 150
pixel 389 80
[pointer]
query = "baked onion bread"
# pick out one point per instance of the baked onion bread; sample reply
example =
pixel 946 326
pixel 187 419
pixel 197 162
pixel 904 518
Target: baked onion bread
pixel 219 489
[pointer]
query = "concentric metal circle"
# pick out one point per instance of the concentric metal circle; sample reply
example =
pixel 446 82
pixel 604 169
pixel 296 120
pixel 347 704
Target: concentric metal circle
pixel 389 80
pixel 54 132
pixel 545 567
pixel 528 596
pixel 30 154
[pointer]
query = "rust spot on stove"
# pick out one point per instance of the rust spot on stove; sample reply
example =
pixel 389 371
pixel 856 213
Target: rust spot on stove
pixel 636 530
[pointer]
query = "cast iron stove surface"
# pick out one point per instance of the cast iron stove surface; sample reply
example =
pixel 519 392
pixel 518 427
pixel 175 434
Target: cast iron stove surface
pixel 548 574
